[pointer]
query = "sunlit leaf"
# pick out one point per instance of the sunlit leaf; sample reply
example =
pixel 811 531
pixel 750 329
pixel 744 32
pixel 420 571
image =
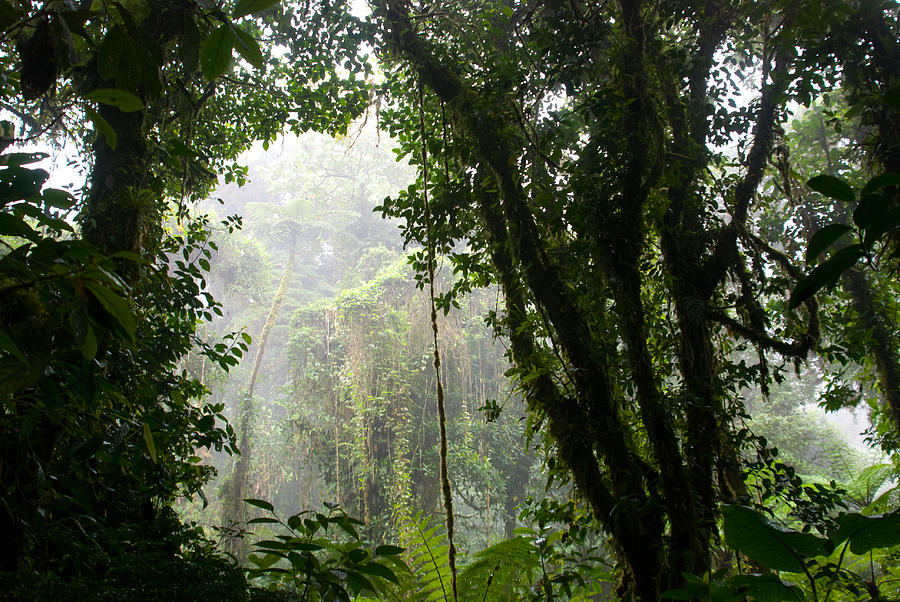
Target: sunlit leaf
pixel 115 306
pixel 102 126
pixel 121 99
pixel 867 533
pixel 775 547
pixel 151 446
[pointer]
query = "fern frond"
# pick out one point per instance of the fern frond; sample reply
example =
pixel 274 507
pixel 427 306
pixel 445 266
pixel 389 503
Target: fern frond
pixel 426 554
pixel 500 572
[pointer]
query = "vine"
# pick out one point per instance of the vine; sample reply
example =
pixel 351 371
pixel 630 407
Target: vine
pixel 442 414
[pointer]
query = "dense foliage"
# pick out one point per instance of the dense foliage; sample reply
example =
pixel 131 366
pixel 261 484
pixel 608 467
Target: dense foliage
pixel 637 218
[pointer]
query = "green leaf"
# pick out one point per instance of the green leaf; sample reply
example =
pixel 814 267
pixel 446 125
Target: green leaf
pixel 89 346
pixel 766 588
pixel 388 550
pixel 248 7
pixel 305 546
pixel 122 100
pixel 54 197
pixel 775 547
pixel 115 306
pixel 8 15
pixel 880 181
pixel 215 53
pixel 102 126
pixel 264 562
pixel 264 520
pixel 867 533
pixel 875 231
pixel 871 210
pixel 379 570
pixel 9 346
pixel 19 159
pixel 260 504
pixel 826 274
pixel 822 239
pixel 12 225
pixel 832 187
pixel 358 583
pixel 248 47
pixel 148 438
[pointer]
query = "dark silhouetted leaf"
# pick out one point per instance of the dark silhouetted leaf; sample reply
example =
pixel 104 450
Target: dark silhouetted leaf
pixel 832 187
pixel 259 504
pixel 822 239
pixel 215 53
pixel 248 7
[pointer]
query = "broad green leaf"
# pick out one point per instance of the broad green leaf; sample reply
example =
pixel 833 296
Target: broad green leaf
pixel 388 550
pixel 54 197
pixel 20 183
pixel 867 533
pixel 766 588
pixel 775 547
pixel 259 504
pixel 102 126
pixel 358 583
pixel 876 230
pixel 89 346
pixel 248 7
pixel 7 345
pixel 822 239
pixel 264 520
pixel 880 181
pixel 247 47
pixel 115 306
pixel 13 225
pixel 18 159
pixel 379 570
pixel 826 274
pixel 305 546
pixel 872 209
pixel 215 53
pixel 263 562
pixel 121 99
pixel 151 446
pixel 271 544
pixel 832 187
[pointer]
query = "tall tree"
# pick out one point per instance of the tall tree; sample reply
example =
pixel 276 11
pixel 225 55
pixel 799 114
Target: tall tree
pixel 578 152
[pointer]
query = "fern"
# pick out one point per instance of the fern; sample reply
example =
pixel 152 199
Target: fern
pixel 426 554
pixel 498 571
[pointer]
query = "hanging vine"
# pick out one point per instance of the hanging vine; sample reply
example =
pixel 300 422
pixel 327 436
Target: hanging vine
pixel 442 414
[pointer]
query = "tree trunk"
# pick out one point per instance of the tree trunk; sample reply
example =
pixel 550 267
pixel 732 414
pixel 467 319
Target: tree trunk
pixel 233 507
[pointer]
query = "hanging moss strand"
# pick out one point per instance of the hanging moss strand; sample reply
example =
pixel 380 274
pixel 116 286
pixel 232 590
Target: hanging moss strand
pixel 442 414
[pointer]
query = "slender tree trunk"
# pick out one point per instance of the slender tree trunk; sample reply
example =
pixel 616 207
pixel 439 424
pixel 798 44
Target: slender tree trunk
pixel 233 511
